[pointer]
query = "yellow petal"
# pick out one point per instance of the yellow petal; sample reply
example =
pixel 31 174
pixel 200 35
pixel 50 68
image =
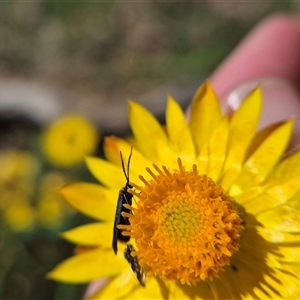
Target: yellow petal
pixel 290 252
pixel 112 148
pixel 95 234
pixel 150 136
pixel 119 287
pixel 224 283
pixel 289 279
pixel 262 161
pixel 242 128
pixel 202 290
pixel 284 280
pixel 150 291
pixel 105 172
pixel 250 195
pixel 202 159
pixel 178 131
pixel 283 191
pixel 91 199
pixel 213 153
pixel 125 286
pixel 217 149
pixel 205 114
pixel 287 169
pixel 273 235
pixel 138 162
pixel 283 218
pixel 89 266
pixel 264 292
pixel 269 197
pixel 176 291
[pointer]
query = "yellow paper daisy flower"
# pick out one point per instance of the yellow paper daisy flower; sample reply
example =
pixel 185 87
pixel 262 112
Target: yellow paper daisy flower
pixel 214 213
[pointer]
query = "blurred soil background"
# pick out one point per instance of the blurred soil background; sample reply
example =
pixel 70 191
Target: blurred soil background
pixel 88 58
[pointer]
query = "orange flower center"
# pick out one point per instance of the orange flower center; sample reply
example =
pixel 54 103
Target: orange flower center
pixel 185 226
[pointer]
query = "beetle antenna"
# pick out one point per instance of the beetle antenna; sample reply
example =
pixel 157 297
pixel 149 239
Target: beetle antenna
pixel 128 165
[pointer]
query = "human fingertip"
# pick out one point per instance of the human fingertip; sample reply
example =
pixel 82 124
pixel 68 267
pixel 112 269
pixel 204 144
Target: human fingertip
pixel 271 49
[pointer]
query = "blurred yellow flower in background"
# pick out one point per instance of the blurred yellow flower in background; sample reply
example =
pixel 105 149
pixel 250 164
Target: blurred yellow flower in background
pixel 19 170
pixel 66 141
pixel 28 197
pixel 19 215
pixel 50 210
pixel 215 210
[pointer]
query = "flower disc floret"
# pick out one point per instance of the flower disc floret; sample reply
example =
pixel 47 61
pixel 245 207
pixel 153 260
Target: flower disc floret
pixel 185 226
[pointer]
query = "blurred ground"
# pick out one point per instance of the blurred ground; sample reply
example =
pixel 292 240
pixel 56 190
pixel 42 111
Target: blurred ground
pixel 58 58
pixel 97 55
